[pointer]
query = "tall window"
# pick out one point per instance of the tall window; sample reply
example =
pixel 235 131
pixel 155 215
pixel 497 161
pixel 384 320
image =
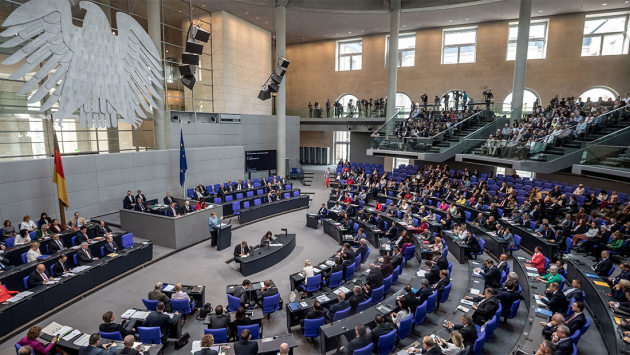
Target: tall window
pixel 529 97
pixel 342 145
pixel 537 45
pixel 398 162
pixel 605 35
pixel 598 93
pixel 406 50
pixel 349 55
pixel 459 45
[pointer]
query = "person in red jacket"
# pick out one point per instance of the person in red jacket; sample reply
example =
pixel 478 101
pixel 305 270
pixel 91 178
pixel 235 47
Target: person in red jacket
pixel 538 260
pixel 378 206
pixel 6 294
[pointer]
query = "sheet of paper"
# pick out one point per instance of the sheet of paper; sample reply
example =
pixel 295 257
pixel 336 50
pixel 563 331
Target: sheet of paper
pixel 468 302
pixel 169 288
pixel 64 330
pixel 52 328
pixel 421 273
pixel 52 282
pixel 72 334
pixel 463 309
pixel 531 268
pixel 141 314
pixel 128 314
pixel 316 270
pixel 70 274
pixel 474 291
pixel 304 304
pixel 540 303
pixel 83 340
pixel 196 346
pixel 600 283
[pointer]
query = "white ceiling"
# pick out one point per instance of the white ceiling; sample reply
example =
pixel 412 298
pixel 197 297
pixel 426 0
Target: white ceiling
pixel 308 25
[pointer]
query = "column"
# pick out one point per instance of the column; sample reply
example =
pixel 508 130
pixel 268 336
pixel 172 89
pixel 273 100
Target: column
pixel 520 64
pixel 281 104
pixel 155 32
pixel 392 59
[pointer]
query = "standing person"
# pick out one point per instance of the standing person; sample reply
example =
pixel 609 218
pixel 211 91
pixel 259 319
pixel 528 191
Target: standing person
pixel 310 110
pixel 464 99
pixel 436 103
pixel 327 108
pixel 327 177
pixel 446 98
pixel 456 99
pixel 424 99
pixel 488 95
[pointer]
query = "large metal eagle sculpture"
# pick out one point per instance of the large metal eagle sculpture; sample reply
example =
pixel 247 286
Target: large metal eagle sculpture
pixel 84 68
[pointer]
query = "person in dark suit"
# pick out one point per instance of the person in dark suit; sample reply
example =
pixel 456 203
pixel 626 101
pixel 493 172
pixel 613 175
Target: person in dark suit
pixel 562 340
pixel 602 268
pixel 361 340
pixel 466 329
pixel 221 191
pixel 550 327
pixel 206 342
pixel 348 250
pixel 429 347
pixel 172 210
pixel 374 279
pixel 186 208
pixel 95 348
pixel 220 319
pixel 168 199
pixel 203 189
pixel 442 261
pixel 341 305
pixel 473 243
pixel 140 207
pixel 61 266
pixel 265 291
pixel 575 290
pixel 157 295
pixel 410 298
pixel 480 220
pixel 241 250
pixel 242 294
pixel 397 257
pixel 491 274
pixel 503 264
pixel 363 248
pixel 56 245
pixel 84 255
pixel 432 272
pixel 229 187
pixel 125 328
pixel 424 292
pixel 316 312
pixel 323 211
pixel 486 308
pixel 129 201
pixel 102 230
pixel 556 302
pixel 577 320
pixel 161 320
pixel 547 233
pixel 508 297
pixel 442 283
pixel 111 246
pixel 129 349
pixel 82 236
pixel 335 268
pixel 245 346
pixel 140 195
pixel 346 261
pixel 382 328
pixel 357 297
pixel 392 232
pixel 39 276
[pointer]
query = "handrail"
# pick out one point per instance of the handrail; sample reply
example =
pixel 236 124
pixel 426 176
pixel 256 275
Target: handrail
pixel 616 133
pixel 387 121
pixel 489 123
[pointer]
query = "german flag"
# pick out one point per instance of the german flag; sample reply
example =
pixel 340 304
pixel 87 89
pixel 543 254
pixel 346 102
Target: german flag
pixel 58 177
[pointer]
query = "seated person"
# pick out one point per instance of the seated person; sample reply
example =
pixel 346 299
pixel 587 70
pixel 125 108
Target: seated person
pixel 102 230
pixel 161 320
pixel 467 329
pixel 39 276
pixel 61 266
pixel 33 252
pixel 158 295
pixel 552 276
pixel 242 294
pixel 245 346
pixel 556 300
pixel 6 294
pixel 341 305
pixel 127 327
pixel 56 244
pixel 316 312
pixel 335 268
pixel 550 327
pixel 31 340
pixel 361 340
pixel 82 236
pixel 206 342
pixel 110 246
pixel 84 255
pixel 266 291
pixel 179 294
pixel 220 319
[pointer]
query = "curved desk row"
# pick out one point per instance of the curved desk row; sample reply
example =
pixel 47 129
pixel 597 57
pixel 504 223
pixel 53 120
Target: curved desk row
pixel 268 209
pixel 266 257
pixel 46 297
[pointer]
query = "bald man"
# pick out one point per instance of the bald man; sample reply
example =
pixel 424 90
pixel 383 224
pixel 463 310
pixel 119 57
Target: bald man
pixel 129 349
pixel 284 349
pixel 39 276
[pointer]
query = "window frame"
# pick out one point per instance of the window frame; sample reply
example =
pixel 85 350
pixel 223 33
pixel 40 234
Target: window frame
pixel 341 144
pixel 601 36
pixel 445 31
pixel 544 39
pixel 338 55
pixel 399 56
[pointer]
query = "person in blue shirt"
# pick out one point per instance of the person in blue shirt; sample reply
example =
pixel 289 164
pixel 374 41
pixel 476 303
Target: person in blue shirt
pixel 213 226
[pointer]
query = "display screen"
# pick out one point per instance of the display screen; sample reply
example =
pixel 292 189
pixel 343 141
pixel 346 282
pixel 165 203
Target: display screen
pixel 260 160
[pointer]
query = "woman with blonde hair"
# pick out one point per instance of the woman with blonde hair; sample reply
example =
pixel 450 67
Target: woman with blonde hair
pixel 179 294
pixel 308 269
pixel 33 253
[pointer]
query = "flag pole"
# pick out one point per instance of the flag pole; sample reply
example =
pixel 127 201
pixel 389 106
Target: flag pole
pixel 62 211
pixel 181 128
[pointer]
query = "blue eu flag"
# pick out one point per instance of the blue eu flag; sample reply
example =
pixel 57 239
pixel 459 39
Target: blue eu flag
pixel 183 166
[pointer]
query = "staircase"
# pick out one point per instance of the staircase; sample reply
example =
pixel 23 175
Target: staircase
pixel 456 138
pixel 306 177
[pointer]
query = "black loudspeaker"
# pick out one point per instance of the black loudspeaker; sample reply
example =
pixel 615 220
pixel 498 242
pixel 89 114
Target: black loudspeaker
pixel 276 78
pixel 195 48
pixel 187 69
pixel 264 94
pixel 278 70
pixel 188 81
pixel 200 35
pixel 273 87
pixel 283 62
pixel 188 58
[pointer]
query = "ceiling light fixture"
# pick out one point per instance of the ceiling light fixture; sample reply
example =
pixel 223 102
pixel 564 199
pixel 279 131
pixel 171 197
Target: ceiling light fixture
pixel 450 20
pixel 604 4
pixel 540 10
pixel 404 25
pixel 349 32
pixel 247 13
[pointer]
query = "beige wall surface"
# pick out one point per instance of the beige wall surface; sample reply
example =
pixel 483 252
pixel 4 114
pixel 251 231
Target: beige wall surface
pixel 563 72
pixel 241 63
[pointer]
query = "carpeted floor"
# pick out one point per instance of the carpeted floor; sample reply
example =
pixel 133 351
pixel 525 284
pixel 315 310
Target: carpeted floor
pixel 203 265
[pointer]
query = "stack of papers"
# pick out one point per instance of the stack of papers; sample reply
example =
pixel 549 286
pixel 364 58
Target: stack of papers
pixel 69 274
pixel 130 312
pixel 275 245
pixel 421 273
pixel 330 263
pixel 19 296
pixel 141 315
pixel 72 334
pixel 81 268
pixel 531 274
pixel 531 269
pixel 474 291
pixel 52 328
pixel 316 270
pixel 463 309
pixel 470 303
pixel 168 288
pixel 83 340
pixel 323 298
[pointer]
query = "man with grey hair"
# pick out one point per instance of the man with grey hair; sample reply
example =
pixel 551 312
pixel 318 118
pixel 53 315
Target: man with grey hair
pixel 284 349
pixel 158 295
pixel 512 276
pixel 424 292
pixel 546 348
pixel 551 327
pixel 357 297
pixel 25 350
pixel 466 329
pixel 562 341
pixel 84 255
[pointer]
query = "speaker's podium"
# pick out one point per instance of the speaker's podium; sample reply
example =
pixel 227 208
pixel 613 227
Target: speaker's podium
pixel 223 238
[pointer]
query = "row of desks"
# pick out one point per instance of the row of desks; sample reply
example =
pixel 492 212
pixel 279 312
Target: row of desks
pixel 46 297
pixel 264 210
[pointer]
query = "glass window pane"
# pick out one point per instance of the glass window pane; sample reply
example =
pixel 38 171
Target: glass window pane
pixel 450 55
pixel 344 99
pixel 535 50
pixel 591 46
pixel 459 37
pixel 528 101
pixel 408 58
pixel 537 30
pixel 356 62
pixel 350 47
pixel 613 44
pixel 467 54
pixel 344 63
pixel 605 25
pixel 511 51
pixel 597 94
pixel 406 42
pixel 513 33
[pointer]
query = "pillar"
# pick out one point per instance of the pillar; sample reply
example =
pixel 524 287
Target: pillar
pixel 281 103
pixel 392 59
pixel 155 32
pixel 520 64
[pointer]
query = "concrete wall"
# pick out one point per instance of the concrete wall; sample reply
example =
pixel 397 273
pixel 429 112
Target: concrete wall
pixel 255 132
pixel 563 71
pixel 241 63
pixel 98 183
pixel 318 139
pixel 359 144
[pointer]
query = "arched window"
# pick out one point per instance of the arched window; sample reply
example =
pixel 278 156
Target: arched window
pixel 345 98
pixel 451 99
pixel 597 92
pixel 529 97
pixel 403 101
